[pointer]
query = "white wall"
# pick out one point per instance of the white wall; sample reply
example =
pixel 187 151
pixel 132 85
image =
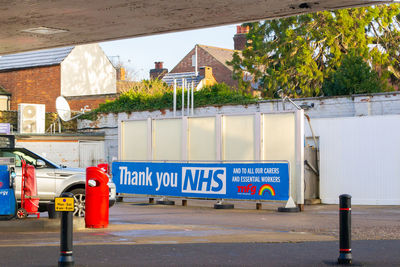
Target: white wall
pixel 71 153
pixel 87 71
pixel 64 152
pixel 91 153
pixel 359 156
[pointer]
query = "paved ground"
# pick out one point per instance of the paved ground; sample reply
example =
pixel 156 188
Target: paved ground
pixel 143 234
pixel 365 253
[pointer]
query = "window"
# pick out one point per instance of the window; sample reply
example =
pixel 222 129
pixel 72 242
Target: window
pixel 28 159
pixel 4 101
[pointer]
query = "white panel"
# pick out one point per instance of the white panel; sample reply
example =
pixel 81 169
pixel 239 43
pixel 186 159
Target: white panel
pixel 238 138
pixel 279 142
pixel 134 136
pixel 360 156
pixel 167 139
pixel 202 141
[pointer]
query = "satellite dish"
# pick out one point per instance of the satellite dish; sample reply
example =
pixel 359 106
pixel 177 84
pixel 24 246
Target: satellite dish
pixel 63 110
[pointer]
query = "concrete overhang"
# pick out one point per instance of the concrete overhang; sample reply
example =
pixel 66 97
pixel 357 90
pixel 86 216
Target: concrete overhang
pixel 33 25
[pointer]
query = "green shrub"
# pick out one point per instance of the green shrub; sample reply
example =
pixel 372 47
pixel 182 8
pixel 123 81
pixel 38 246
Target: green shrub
pixel 162 98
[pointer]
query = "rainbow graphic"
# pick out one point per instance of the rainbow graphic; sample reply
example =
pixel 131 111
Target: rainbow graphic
pixel 266 187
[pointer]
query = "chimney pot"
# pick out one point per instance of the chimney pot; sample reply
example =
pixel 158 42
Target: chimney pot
pixel 158 65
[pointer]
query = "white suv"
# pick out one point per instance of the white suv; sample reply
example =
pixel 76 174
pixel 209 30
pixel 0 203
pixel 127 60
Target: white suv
pixel 53 179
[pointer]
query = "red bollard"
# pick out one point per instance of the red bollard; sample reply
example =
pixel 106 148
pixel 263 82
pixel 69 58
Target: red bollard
pixel 97 196
pixel 104 167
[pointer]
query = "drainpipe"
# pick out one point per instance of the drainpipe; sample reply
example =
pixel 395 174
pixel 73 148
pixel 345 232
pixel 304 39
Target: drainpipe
pixel 174 98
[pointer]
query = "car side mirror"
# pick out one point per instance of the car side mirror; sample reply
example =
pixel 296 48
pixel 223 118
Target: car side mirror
pixel 40 163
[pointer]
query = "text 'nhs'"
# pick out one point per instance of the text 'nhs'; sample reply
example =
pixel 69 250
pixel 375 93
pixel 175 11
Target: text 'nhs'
pixel 193 179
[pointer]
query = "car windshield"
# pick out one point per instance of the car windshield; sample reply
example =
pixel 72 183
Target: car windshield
pixel 29 156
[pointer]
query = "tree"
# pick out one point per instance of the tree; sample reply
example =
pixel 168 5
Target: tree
pixel 296 54
pixel 354 76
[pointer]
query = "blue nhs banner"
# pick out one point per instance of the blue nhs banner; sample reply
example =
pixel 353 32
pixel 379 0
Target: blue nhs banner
pixel 258 181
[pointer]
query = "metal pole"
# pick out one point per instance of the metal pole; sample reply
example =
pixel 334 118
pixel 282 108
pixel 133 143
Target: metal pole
pixel 188 100
pixel 345 256
pixel 66 253
pixel 192 98
pixel 183 97
pixel 59 125
pixel 174 97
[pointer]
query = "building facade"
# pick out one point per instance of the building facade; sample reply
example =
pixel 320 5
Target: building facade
pixel 83 74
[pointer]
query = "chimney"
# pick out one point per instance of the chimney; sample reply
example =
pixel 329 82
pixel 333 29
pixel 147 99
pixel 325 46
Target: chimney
pixel 205 72
pixel 240 39
pixel 207 77
pixel 158 72
pixel 120 74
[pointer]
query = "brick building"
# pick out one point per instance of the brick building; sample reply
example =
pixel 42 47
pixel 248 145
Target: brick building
pixel 214 58
pixel 209 56
pixel 82 74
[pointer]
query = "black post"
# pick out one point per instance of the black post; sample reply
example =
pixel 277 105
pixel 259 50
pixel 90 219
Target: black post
pixel 345 229
pixel 66 257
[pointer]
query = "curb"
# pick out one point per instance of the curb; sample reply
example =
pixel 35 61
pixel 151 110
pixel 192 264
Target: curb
pixel 38 225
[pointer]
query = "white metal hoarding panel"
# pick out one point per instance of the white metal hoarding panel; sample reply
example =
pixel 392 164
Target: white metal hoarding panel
pixel 359 156
pixel 167 139
pixel 201 138
pixel 278 135
pixel 134 136
pixel 238 137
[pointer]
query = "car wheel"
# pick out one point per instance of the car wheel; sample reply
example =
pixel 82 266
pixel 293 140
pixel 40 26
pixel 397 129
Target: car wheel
pixel 79 199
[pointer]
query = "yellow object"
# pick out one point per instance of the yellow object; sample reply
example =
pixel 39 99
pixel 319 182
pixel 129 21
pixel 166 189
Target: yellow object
pixel 64 204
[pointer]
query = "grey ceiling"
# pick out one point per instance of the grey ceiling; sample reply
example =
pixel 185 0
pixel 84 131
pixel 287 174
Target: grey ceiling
pixel 99 20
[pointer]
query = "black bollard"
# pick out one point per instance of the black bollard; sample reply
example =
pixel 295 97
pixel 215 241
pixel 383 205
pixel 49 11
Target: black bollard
pixel 66 257
pixel 345 229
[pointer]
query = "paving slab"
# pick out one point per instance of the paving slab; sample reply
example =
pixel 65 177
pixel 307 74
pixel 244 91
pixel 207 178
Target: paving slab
pixel 135 221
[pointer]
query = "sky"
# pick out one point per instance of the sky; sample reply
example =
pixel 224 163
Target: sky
pixel 139 54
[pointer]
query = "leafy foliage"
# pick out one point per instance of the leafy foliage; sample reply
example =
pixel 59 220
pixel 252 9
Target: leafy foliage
pixel 354 76
pixel 134 100
pixel 297 53
pixel 154 86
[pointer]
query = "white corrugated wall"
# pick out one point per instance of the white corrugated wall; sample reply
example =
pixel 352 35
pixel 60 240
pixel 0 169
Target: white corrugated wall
pixel 359 156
